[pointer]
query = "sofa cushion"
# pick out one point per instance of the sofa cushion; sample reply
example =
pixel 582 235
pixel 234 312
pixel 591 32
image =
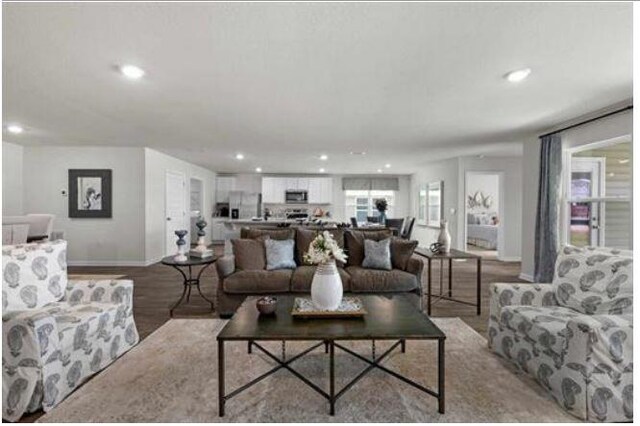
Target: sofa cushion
pixel 258 282
pixel 303 276
pixel 354 243
pixel 594 280
pixel 544 327
pixel 279 254
pixel 401 252
pixel 377 281
pixel 377 254
pixel 304 237
pixel 273 233
pixel 33 275
pixel 249 254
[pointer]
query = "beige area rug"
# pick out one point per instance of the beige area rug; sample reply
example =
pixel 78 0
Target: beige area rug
pixel 95 276
pixel 172 377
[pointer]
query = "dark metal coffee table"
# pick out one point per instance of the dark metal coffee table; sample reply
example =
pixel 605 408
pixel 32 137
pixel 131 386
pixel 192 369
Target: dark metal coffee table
pixel 388 318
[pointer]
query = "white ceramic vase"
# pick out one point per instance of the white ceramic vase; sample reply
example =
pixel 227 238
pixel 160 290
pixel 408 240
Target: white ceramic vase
pixel 444 238
pixel 326 287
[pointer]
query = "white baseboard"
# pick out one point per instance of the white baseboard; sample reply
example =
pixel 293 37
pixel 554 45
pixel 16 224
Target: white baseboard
pixel 510 259
pixel 526 277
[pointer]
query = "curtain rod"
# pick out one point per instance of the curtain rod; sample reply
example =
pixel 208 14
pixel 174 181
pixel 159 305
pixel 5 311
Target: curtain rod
pixel 588 121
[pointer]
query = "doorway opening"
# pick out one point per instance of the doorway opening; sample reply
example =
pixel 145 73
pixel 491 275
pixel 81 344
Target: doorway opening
pixel 175 209
pixel 484 218
pixel 196 206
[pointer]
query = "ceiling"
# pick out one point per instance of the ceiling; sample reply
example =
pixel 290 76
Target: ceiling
pixel 283 83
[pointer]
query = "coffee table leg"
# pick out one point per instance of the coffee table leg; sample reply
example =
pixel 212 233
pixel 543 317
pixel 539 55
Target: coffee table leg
pixel 428 286
pixel 403 346
pixel 441 376
pixel 332 384
pixel 221 378
pixel 249 347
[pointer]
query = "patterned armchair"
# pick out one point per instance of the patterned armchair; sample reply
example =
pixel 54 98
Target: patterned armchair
pixel 574 336
pixel 56 333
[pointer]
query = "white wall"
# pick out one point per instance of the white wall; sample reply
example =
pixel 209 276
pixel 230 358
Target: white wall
pixel 510 169
pixel 616 126
pixel 446 171
pixel 12 179
pixel 452 172
pixel 156 165
pixel 115 241
pixel 487 185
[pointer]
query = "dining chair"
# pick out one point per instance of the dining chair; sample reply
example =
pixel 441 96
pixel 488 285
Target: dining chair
pixel 354 222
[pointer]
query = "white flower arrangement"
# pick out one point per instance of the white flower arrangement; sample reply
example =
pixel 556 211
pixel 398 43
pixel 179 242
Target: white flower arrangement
pixel 323 249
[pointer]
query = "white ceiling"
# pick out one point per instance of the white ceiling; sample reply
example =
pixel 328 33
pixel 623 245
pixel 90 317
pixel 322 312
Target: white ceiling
pixel 284 82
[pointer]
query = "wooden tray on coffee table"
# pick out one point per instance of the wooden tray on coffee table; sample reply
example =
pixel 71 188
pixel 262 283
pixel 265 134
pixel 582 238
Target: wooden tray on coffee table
pixel 350 307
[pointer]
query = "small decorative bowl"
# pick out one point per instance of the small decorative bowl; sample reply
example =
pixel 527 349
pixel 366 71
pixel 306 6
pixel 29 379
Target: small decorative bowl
pixel 266 305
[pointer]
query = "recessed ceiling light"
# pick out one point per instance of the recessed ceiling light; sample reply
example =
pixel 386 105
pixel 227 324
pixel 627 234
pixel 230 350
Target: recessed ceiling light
pixel 321 170
pixel 15 128
pixel 358 153
pixel 379 170
pixel 258 169
pixel 131 71
pixel 518 75
pixel 387 166
pixel 324 157
pixel 611 174
pixel 239 156
pixel 623 161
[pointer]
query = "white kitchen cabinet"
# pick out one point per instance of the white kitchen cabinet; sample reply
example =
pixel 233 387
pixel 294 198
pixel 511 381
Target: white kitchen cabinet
pixel 303 184
pixel 224 185
pixel 320 190
pixel 273 190
pixel 291 184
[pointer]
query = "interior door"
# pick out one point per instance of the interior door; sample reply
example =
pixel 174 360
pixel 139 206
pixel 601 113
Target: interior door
pixel 586 217
pixel 175 209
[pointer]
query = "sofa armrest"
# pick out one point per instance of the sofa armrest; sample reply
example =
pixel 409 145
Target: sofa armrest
pixel 601 342
pixel 30 351
pixel 415 266
pixel 119 292
pixel 225 265
pixel 520 294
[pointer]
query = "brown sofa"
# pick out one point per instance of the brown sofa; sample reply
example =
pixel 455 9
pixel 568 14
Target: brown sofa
pixel 236 283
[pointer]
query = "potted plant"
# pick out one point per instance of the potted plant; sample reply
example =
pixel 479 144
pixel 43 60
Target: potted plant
pixel 326 287
pixel 381 206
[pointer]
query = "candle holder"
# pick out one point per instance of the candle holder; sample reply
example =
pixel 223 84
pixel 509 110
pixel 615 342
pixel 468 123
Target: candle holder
pixel 181 243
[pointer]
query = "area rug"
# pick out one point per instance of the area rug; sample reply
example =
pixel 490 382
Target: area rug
pixel 171 376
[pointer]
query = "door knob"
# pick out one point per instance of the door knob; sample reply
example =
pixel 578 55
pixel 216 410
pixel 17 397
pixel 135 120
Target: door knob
pixel 168 218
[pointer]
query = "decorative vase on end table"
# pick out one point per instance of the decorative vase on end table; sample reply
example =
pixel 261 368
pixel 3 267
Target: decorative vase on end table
pixel 444 239
pixel 181 256
pixel 326 286
pixel 201 249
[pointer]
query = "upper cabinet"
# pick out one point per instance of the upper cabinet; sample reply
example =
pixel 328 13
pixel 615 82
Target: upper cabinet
pixel 320 189
pixel 224 184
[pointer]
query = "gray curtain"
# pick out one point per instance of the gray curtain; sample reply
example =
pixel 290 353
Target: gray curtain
pixel 547 215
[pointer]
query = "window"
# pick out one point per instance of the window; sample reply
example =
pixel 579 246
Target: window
pixel 360 204
pixel 598 196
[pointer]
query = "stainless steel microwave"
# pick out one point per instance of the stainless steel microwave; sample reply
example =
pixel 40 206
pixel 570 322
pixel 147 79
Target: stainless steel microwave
pixel 296 197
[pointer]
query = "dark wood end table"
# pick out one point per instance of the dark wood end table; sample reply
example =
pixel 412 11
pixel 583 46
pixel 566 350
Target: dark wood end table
pixel 392 318
pixel 189 281
pixel 453 254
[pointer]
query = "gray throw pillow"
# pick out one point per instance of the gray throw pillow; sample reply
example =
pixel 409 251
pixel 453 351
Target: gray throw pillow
pixel 279 254
pixel 377 254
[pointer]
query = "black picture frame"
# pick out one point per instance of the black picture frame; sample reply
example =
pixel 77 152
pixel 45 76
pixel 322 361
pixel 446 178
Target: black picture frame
pixel 84 180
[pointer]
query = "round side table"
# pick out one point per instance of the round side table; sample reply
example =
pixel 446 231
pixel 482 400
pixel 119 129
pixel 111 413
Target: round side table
pixel 189 281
